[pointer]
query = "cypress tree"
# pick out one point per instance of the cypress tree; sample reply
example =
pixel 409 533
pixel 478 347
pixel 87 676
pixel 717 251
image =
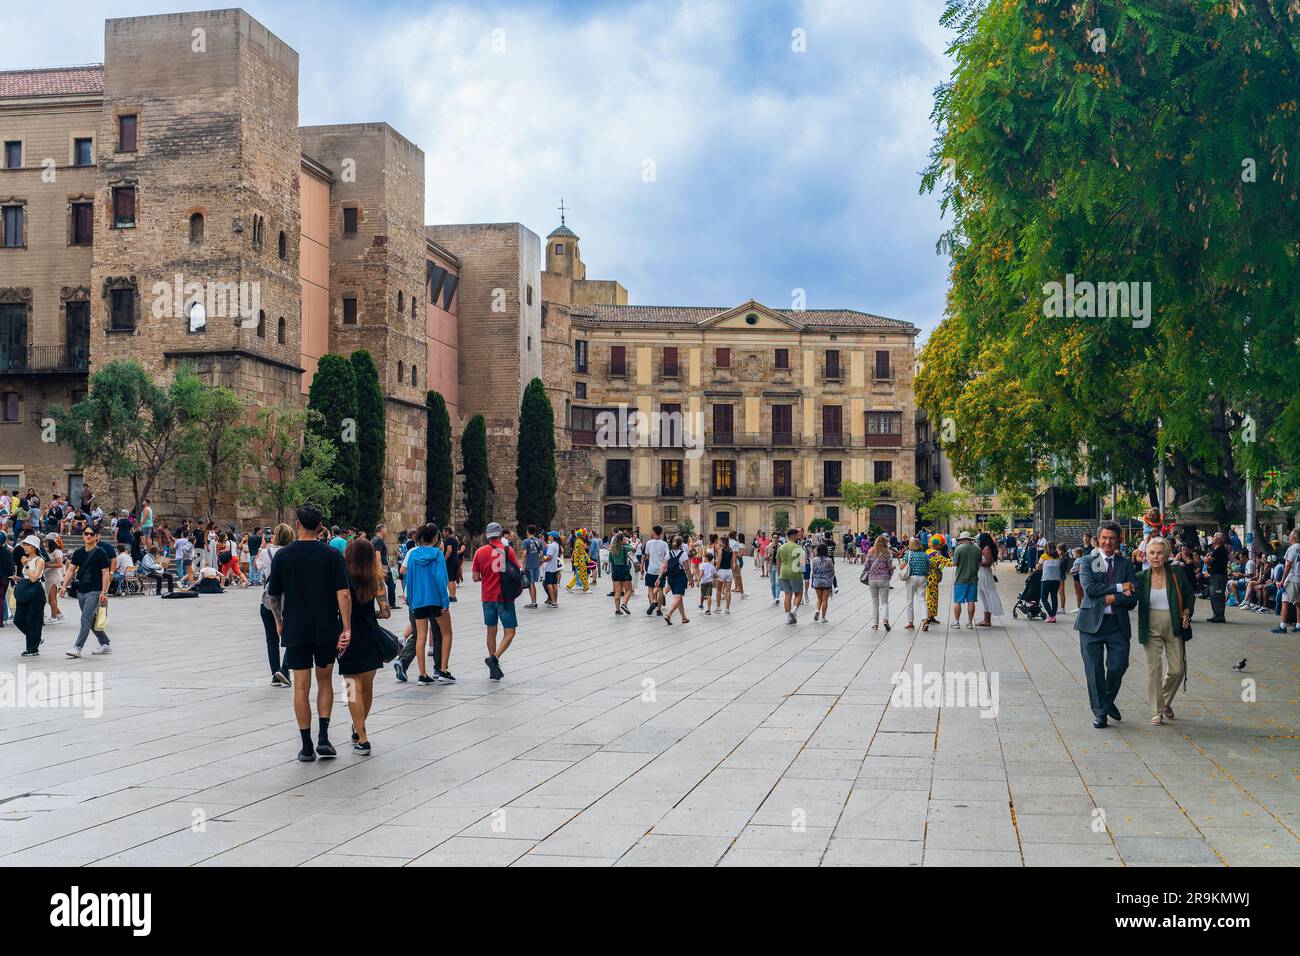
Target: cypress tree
pixel 372 443
pixel 478 485
pixel 438 468
pixel 334 395
pixel 535 481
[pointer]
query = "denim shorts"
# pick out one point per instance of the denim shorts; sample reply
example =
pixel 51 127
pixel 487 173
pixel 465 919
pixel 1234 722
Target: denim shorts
pixel 965 593
pixel 495 612
pixel 532 575
pixel 790 586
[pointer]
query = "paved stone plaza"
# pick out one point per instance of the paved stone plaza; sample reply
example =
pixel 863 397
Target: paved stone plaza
pixel 757 743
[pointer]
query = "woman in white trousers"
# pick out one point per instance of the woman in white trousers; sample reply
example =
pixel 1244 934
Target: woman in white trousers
pixel 878 568
pixel 916 564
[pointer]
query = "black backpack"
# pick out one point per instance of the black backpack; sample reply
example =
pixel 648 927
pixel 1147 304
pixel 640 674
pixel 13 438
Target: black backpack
pixel 512 578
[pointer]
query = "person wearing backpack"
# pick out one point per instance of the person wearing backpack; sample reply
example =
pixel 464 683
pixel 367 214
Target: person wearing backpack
pixel 674 574
pixel 497 568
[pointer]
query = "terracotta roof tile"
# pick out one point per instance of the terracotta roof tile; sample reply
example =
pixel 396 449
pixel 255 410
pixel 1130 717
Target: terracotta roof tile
pixel 687 316
pixel 55 81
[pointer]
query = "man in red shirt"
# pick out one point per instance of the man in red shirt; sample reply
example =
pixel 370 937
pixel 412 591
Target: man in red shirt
pixel 489 561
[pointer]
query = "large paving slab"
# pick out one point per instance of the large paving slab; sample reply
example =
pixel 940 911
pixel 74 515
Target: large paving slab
pixel 733 740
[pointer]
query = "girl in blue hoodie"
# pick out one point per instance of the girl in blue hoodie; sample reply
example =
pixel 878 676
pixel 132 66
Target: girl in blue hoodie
pixel 426 595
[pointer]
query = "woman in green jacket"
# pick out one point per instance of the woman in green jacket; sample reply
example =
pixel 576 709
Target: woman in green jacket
pixel 1165 603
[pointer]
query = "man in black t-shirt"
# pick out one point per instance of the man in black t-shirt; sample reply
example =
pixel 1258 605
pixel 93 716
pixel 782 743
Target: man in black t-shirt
pixel 452 553
pixel 313 614
pixel 1219 556
pixel 92 569
pixel 380 540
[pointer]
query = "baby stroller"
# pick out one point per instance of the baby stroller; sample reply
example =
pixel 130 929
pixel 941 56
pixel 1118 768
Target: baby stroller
pixel 1028 602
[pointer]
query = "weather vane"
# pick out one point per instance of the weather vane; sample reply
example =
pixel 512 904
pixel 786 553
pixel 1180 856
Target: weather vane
pixel 562 208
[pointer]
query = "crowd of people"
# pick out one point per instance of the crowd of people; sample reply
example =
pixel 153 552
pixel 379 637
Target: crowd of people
pixel 329 594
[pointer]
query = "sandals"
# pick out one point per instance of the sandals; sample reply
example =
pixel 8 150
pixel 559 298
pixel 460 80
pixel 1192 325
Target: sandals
pixel 1157 720
pixel 1169 713
pixel 925 626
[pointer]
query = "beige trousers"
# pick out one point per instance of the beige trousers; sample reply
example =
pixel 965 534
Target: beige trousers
pixel 1161 639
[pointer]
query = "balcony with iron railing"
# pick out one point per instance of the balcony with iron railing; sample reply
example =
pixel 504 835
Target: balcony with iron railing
pixel 45 359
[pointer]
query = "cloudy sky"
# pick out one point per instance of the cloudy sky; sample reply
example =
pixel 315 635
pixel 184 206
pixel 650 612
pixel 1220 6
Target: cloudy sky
pixel 705 161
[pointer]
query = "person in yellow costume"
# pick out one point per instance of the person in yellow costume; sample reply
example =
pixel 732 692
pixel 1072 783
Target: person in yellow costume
pixel 937 563
pixel 580 560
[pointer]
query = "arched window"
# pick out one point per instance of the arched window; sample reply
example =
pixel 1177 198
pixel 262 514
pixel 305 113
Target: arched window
pixel 400 303
pixel 401 369
pixel 196 228
pixel 415 308
pixel 284 246
pixel 279 331
pixel 415 374
pixel 261 324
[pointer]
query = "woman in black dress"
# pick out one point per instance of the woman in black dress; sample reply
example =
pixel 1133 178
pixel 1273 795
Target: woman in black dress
pixel 362 658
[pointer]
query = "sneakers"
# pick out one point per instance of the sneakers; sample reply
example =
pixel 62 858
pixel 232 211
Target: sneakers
pixel 75 652
pixel 817 615
pixel 400 671
pixel 280 679
pixel 444 677
pixel 326 749
pixel 426 679
pixel 103 649
pixel 1051 620
pixel 494 668
pixel 362 749
pixel 306 756
pixel 30 654
pixel 1280 629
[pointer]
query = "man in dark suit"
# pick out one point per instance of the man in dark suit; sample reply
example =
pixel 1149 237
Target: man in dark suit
pixel 1109 593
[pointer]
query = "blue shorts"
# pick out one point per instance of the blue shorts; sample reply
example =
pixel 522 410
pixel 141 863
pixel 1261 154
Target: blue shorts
pixel 532 575
pixel 964 593
pixel 495 612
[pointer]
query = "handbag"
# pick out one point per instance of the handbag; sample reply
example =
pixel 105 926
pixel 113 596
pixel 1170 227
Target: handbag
pixel 388 643
pixel 101 619
pixel 1184 632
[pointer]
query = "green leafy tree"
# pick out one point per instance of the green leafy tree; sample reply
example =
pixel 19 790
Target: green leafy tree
pixel 439 470
pixel 943 506
pixel 216 438
pixel 127 426
pixel 293 463
pixel 371 442
pixel 1102 143
pixel 821 524
pixel 333 397
pixel 781 521
pixel 478 483
pixel 858 496
pixel 535 481
pixel 685 527
pixel 997 523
